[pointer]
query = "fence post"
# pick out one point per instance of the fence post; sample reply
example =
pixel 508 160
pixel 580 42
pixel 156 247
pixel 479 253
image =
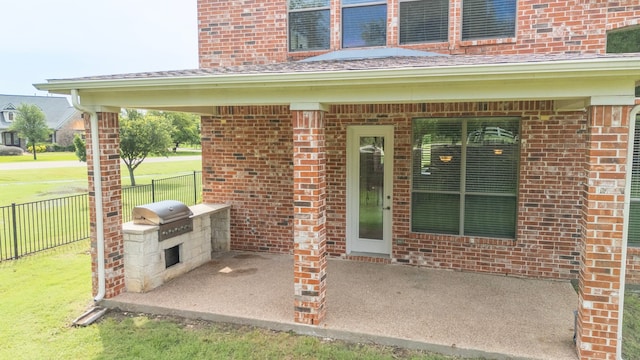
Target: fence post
pixel 195 189
pixel 153 190
pixel 15 231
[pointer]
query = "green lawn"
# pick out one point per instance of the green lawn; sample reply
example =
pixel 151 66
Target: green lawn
pixel 631 326
pixel 42 294
pixel 21 186
pixel 69 156
pixel 45 156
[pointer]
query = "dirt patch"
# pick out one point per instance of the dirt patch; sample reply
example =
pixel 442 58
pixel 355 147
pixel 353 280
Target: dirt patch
pixel 267 334
pixel 187 323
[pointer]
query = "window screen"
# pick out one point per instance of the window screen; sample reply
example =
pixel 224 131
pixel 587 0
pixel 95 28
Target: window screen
pixel 634 210
pixel 309 25
pixel 483 19
pixel 364 23
pixel 465 176
pixel 424 21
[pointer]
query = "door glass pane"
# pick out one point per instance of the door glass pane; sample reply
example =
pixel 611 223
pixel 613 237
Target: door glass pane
pixel 371 187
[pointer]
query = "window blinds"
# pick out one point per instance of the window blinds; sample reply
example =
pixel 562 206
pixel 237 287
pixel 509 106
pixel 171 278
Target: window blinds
pixel 424 21
pixel 488 19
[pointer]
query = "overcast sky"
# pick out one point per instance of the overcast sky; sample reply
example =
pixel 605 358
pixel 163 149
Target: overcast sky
pixel 56 39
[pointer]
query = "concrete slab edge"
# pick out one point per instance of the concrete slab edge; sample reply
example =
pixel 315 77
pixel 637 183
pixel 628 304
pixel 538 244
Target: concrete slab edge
pixel 349 336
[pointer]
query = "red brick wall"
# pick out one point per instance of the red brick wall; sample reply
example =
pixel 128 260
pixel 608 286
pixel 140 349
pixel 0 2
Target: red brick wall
pixel 241 32
pixel 251 168
pixel 255 32
pixel 309 199
pixel 111 203
pixel 603 219
pixel 552 161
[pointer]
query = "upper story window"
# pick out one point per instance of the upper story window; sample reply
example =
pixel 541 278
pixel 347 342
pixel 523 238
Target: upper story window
pixel 485 19
pixel 625 40
pixel 364 23
pixel 9 115
pixel 424 21
pixel 309 25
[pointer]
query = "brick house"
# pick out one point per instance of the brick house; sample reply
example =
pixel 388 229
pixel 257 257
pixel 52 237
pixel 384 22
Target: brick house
pixel 489 136
pixel 62 119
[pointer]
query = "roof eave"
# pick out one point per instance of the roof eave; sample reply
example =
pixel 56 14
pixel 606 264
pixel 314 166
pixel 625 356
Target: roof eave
pixel 599 67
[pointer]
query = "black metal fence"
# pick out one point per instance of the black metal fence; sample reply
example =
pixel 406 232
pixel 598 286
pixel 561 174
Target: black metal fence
pixel 40 225
pixel 185 188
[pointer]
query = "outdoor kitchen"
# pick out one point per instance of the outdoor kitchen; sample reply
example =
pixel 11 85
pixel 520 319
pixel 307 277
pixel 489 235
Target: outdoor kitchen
pixel 167 239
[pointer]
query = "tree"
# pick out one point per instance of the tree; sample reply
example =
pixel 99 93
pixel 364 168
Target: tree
pixel 81 148
pixel 30 124
pixel 143 135
pixel 186 129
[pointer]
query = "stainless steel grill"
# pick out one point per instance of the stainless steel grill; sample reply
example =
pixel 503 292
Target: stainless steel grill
pixel 173 217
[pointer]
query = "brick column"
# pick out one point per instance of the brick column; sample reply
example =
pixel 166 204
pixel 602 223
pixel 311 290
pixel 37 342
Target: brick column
pixel 109 138
pixel 309 253
pixel 603 218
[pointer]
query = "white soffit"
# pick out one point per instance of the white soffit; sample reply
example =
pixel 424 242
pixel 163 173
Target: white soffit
pixel 606 79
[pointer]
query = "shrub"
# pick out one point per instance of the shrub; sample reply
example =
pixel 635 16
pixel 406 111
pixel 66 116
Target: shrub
pixel 39 148
pixel 10 150
pixel 60 148
pixel 80 148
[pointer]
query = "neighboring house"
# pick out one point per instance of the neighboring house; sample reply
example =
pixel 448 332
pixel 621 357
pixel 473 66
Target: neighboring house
pixel 489 135
pixel 62 119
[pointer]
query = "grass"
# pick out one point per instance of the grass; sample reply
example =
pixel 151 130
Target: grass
pixel 42 294
pixel 21 186
pixel 69 156
pixel 45 156
pixel 631 326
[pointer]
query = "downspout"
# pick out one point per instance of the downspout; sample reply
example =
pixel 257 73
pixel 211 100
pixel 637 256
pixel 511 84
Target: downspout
pixel 625 229
pixel 97 183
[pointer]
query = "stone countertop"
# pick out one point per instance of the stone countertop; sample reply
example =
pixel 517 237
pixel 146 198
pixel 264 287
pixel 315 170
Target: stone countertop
pixel 197 210
pixel 205 209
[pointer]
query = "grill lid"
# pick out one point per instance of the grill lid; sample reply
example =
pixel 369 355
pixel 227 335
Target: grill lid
pixel 161 212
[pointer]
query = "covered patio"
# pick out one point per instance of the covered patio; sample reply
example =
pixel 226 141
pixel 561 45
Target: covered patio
pixel 467 314
pixel 279 146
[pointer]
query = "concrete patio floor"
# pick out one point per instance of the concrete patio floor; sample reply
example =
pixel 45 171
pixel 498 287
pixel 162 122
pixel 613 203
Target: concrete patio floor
pixel 467 314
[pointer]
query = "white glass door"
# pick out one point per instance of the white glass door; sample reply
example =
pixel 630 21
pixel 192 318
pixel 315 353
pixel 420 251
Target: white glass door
pixel 369 188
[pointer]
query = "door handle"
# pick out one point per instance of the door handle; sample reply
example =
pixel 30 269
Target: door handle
pixel 386 208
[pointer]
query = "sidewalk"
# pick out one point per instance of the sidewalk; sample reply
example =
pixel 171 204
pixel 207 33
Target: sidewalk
pixel 37 164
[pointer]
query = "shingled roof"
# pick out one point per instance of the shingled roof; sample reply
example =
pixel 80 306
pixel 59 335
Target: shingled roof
pixel 56 109
pixel 392 62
